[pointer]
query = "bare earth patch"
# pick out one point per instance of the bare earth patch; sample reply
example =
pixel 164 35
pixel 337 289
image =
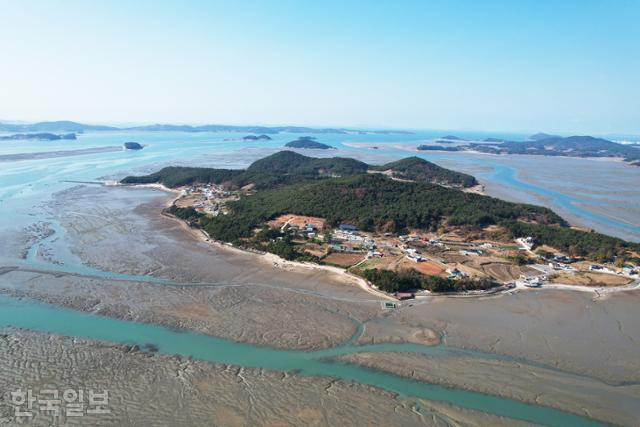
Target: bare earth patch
pixel 592 279
pixel 298 221
pixel 343 260
pixel 428 268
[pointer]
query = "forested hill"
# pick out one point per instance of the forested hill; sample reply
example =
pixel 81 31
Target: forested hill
pixel 289 162
pixel 284 167
pixel 417 169
pixel 576 146
pixel 308 142
pixel 176 176
pixel 375 202
pixel 338 190
pixel 287 167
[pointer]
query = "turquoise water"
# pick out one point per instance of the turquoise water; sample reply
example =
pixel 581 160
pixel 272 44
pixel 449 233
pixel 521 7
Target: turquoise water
pixel 27 186
pixel 36 316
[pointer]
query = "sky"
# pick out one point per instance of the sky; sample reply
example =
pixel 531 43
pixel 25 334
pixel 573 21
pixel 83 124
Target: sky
pixel 554 66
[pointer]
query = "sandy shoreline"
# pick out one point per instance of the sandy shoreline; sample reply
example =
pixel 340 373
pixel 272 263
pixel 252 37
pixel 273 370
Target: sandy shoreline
pixel 594 290
pixel 275 260
pixel 266 257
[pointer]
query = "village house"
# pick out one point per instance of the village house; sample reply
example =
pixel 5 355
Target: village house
pixel 454 273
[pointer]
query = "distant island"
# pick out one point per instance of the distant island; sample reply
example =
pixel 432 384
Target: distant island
pixel 574 146
pixel 132 146
pixel 308 142
pixel 37 136
pixel 449 139
pixel 540 136
pixel 438 148
pixel 379 221
pixel 58 126
pixel 262 137
pixel 69 126
pixel 550 145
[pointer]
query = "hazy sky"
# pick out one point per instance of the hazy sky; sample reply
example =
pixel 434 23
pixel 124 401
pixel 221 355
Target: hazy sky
pixel 564 66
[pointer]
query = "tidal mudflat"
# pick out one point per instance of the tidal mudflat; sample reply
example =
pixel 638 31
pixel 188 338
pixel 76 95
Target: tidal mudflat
pixel 136 264
pixel 557 348
pixel 109 252
pixel 148 389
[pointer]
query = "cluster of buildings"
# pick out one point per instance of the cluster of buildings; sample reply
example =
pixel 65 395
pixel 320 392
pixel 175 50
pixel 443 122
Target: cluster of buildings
pixel 412 254
pixel 454 273
pixel 560 262
pixel 308 230
pixel 527 242
pixel 209 191
pixel 212 198
pixel 436 242
pixel 346 239
pixel 561 266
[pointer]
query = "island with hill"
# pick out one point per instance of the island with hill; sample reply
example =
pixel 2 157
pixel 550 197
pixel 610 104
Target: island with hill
pixel 405 227
pixel 540 136
pixel 425 147
pixel 133 146
pixel 69 126
pixel 56 126
pixel 549 145
pixel 262 137
pixel 308 142
pixel 41 136
pixel 575 146
pixel 450 139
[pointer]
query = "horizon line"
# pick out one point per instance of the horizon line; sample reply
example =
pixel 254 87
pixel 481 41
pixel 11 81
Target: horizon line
pixel 126 125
